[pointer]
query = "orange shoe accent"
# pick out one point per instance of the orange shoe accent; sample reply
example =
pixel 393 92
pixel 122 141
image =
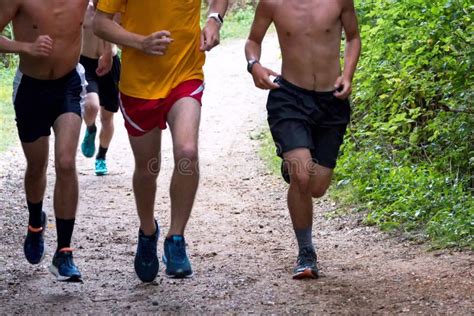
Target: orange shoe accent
pixel 67 249
pixel 306 274
pixel 35 230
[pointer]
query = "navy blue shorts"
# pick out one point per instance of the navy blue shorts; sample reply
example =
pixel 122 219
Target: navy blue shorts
pixel 300 118
pixel 106 86
pixel 38 103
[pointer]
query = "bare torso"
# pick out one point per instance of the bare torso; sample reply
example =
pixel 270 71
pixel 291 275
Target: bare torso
pixel 309 32
pixel 92 46
pixel 60 19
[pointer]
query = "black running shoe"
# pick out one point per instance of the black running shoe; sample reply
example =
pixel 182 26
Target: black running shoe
pixel 306 265
pixel 34 242
pixel 146 258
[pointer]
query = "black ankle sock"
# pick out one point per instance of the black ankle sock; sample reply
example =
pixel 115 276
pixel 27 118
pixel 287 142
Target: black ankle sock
pixel 64 228
pixel 92 128
pixel 101 153
pixel 35 210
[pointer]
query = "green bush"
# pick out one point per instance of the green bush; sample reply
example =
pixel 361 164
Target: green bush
pixel 409 152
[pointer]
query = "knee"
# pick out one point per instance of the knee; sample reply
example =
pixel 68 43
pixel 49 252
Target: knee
pixel 36 169
pixel 186 153
pixel 318 191
pixel 91 106
pixel 301 181
pixel 148 171
pixel 65 165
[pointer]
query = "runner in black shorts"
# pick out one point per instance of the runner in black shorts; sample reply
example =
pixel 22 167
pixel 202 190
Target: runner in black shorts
pixel 49 91
pixel 102 66
pixel 301 118
pixel 39 103
pixel 308 110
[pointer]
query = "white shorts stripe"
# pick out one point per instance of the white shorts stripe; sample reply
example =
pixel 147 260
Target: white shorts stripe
pixel 198 90
pixel 129 120
pixel 16 84
pixel 82 74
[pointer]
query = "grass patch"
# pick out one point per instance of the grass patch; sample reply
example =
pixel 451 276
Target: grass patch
pixel 268 150
pixel 7 114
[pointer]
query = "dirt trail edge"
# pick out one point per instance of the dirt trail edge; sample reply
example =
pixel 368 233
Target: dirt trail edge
pixel 240 238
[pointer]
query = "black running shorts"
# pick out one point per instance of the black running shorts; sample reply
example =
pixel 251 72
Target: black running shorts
pixel 38 103
pixel 300 118
pixel 106 86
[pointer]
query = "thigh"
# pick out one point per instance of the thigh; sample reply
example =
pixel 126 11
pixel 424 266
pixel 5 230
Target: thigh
pixel 33 109
pixel 146 150
pixel 37 152
pixel 299 161
pixel 184 119
pixel 66 129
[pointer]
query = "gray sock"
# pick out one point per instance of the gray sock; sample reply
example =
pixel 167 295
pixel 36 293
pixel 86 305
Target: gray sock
pixel 304 238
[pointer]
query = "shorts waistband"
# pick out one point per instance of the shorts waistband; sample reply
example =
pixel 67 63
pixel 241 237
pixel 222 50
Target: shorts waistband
pixel 294 87
pixel 60 80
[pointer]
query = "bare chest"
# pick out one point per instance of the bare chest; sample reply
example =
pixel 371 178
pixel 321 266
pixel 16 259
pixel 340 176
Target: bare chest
pixel 308 18
pixel 57 18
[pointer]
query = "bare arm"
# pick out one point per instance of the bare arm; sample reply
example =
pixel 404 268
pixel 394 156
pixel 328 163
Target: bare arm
pixel 210 36
pixel 352 49
pixel 253 47
pixel 43 45
pixel 154 44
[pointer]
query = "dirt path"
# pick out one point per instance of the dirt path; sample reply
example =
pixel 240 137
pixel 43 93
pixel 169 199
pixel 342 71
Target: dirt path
pixel 240 238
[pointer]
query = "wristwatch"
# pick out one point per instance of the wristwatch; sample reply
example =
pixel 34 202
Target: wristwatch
pixel 216 16
pixel 250 64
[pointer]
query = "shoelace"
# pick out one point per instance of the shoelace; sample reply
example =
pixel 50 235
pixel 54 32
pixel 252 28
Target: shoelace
pixel 306 256
pixel 179 253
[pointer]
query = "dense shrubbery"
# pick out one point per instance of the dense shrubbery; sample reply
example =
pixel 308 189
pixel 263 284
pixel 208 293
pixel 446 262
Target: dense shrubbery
pixel 409 153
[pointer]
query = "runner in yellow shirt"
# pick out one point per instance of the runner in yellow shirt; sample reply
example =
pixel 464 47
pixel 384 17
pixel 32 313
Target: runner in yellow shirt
pixel 162 84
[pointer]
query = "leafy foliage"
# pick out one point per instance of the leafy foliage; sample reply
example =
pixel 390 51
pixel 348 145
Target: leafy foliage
pixel 409 154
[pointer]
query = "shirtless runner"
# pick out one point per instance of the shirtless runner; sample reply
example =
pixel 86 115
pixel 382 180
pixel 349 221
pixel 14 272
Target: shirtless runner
pixel 48 93
pixel 308 106
pixel 102 67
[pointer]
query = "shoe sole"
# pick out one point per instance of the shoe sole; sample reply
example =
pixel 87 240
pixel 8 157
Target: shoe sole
pixel 305 274
pixel 176 276
pixel 179 276
pixel 54 271
pixel 99 174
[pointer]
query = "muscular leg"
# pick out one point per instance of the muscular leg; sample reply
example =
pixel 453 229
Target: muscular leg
pixel 36 154
pixel 147 152
pixel 300 202
pixel 91 108
pixel 107 129
pixel 67 128
pixel 184 119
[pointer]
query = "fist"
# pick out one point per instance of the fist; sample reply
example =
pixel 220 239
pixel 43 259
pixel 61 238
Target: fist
pixel 42 47
pixel 156 43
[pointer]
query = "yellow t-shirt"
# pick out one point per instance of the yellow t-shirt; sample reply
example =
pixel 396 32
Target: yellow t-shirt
pixel 153 77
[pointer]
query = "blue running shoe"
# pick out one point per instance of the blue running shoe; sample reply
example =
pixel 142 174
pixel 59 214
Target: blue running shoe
pixel 34 242
pixel 306 266
pixel 63 267
pixel 176 259
pixel 101 167
pixel 146 258
pixel 88 144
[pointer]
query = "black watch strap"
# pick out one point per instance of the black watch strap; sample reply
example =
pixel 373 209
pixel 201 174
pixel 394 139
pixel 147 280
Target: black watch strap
pixel 250 64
